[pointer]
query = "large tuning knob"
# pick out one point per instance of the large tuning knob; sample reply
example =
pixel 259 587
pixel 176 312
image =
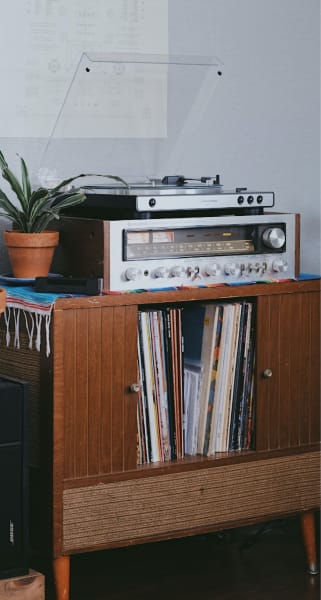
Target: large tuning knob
pixel 274 237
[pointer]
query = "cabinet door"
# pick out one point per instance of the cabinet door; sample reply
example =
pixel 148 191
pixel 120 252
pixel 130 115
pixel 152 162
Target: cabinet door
pixel 288 370
pixel 95 363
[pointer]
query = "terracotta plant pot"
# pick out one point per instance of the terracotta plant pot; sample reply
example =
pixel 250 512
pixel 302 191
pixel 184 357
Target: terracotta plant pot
pixel 30 254
pixel 2 300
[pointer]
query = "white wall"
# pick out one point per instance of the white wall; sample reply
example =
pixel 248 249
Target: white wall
pixel 268 106
pixel 266 131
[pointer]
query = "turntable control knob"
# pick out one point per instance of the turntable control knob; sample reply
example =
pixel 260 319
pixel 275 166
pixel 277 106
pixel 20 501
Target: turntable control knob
pixel 131 274
pixel 177 271
pixel 212 270
pixel 159 273
pixel 274 237
pixel 279 265
pixel 232 269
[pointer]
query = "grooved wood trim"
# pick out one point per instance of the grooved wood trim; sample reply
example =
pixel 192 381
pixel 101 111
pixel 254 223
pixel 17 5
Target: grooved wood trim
pixel 288 343
pixel 128 511
pixel 95 366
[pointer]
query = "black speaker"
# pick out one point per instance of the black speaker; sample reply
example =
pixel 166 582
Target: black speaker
pixel 13 477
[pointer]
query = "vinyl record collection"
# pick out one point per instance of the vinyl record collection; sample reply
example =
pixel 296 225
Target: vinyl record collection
pixel 196 368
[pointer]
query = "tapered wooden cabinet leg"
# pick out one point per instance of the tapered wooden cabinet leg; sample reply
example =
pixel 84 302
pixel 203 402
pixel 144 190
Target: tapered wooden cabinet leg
pixel 61 572
pixel 308 532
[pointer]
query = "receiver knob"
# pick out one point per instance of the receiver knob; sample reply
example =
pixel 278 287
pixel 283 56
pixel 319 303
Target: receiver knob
pixel 212 270
pixel 131 274
pixel 159 273
pixel 279 265
pixel 177 271
pixel 232 269
pixel 274 237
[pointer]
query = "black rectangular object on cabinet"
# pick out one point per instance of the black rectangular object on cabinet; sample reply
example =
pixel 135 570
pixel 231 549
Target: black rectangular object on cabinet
pixel 13 477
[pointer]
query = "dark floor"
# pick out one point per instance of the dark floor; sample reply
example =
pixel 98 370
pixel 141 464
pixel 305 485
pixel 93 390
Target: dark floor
pixel 244 564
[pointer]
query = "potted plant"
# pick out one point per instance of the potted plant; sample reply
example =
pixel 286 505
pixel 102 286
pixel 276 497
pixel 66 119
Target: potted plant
pixel 30 246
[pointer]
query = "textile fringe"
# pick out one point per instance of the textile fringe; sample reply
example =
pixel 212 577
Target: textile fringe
pixel 34 321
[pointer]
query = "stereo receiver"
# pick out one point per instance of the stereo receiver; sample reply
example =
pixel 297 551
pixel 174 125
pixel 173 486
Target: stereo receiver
pixel 198 251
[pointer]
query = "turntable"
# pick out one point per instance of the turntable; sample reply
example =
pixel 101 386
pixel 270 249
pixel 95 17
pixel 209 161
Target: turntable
pixel 155 227
pixel 172 196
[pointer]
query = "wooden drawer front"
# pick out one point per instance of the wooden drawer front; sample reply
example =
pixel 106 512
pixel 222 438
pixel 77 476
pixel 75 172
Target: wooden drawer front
pixel 166 506
pixel 288 403
pixel 96 365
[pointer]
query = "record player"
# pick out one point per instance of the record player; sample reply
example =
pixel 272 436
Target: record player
pixel 161 222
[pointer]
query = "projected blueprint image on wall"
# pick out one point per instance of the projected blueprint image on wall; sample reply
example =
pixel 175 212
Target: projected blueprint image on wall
pixel 44 46
pixel 115 95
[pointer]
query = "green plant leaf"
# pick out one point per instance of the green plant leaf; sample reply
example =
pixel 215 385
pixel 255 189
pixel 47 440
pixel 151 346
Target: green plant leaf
pixel 67 181
pixel 25 179
pixel 7 205
pixel 43 221
pixel 9 210
pixel 3 162
pixel 9 176
pixel 65 201
pixel 36 208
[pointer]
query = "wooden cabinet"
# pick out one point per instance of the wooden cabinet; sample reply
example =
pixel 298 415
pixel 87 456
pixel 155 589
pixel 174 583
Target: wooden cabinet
pixel 97 495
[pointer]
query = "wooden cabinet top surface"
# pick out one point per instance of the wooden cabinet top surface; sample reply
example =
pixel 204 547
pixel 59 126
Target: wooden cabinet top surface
pixel 189 294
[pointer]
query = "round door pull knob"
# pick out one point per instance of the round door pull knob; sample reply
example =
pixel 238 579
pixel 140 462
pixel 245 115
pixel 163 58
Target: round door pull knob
pixel 135 387
pixel 267 373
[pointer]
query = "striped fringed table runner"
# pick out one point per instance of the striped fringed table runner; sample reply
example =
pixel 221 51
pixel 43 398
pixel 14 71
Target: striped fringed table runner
pixel 35 309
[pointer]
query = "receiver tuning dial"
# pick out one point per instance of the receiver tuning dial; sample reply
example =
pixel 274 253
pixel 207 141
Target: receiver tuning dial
pixel 274 237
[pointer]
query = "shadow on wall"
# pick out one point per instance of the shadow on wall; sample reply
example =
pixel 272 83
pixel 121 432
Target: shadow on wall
pixel 4 260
